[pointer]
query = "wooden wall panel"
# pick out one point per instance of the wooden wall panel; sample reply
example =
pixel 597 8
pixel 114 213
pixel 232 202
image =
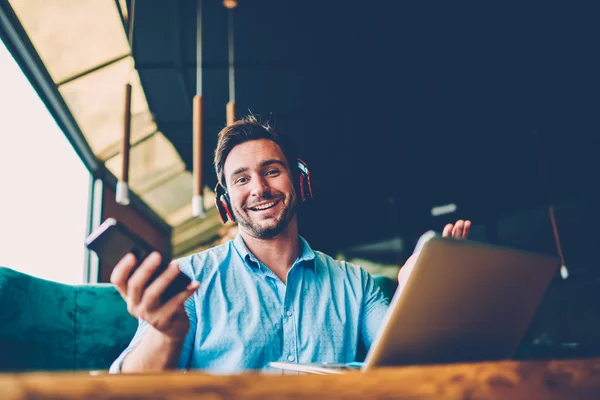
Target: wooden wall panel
pixel 135 222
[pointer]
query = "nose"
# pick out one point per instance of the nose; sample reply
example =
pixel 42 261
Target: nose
pixel 260 187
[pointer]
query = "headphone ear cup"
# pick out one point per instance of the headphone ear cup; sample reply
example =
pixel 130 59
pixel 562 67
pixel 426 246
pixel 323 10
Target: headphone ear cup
pixel 223 204
pixel 222 208
pixel 304 181
pixel 302 188
pixel 227 206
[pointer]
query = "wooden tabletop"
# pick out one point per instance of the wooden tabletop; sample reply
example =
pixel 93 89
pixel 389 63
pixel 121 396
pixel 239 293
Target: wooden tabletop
pixel 567 379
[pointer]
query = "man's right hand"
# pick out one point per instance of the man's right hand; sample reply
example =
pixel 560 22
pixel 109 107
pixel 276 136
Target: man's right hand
pixel 144 301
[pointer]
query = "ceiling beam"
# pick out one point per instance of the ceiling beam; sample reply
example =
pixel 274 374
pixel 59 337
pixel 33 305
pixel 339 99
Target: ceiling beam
pixel 18 43
pixel 93 69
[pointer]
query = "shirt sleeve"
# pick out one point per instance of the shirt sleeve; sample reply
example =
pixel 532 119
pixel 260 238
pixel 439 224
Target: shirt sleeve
pixel 139 334
pixel 188 345
pixel 374 309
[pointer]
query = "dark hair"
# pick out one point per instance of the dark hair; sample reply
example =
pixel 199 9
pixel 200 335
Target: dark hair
pixel 246 129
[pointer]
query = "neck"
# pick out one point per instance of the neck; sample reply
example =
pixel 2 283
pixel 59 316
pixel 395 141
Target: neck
pixel 278 253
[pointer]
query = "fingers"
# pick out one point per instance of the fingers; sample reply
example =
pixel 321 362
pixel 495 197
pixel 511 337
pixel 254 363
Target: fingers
pixel 466 230
pixel 151 296
pixel 138 281
pixel 161 318
pixel 174 303
pixel 121 273
pixel 459 230
pixel 447 230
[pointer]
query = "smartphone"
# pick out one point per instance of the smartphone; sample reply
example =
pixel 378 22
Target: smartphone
pixel 112 240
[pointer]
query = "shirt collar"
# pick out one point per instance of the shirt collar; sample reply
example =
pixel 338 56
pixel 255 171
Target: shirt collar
pixel 307 255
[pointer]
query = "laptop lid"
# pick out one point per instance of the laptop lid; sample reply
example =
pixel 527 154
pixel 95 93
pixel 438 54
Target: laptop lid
pixel 463 301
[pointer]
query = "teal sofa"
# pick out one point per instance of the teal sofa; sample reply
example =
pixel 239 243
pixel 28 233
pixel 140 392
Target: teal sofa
pixel 50 326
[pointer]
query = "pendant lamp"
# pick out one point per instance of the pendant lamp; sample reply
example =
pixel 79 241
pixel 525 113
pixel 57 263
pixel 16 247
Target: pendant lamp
pixel 564 272
pixel 230 108
pixel 122 192
pixel 198 198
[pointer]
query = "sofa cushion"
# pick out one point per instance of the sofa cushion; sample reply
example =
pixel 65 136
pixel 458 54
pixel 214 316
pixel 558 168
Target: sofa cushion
pixel 52 326
pixel 37 319
pixel 103 327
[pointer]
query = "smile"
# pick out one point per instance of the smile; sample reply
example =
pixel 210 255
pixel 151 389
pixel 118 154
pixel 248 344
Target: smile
pixel 264 206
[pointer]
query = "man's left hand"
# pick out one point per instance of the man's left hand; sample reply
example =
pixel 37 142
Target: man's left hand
pixel 459 230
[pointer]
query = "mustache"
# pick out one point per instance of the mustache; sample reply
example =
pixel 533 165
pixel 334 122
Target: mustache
pixel 265 198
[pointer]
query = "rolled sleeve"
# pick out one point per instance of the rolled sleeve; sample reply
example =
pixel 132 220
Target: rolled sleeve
pixel 188 345
pixel 190 308
pixel 143 326
pixel 374 309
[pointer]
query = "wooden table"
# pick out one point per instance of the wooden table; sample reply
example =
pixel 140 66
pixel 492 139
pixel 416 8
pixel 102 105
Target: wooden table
pixel 572 379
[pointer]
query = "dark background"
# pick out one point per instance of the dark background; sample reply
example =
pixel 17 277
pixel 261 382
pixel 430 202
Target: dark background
pixel 398 107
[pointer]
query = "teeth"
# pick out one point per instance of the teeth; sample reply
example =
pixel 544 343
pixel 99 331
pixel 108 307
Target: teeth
pixel 265 206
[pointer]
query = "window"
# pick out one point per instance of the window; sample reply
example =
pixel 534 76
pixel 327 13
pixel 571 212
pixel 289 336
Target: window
pixel 44 186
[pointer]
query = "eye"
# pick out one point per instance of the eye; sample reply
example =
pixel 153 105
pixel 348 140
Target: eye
pixel 273 172
pixel 241 180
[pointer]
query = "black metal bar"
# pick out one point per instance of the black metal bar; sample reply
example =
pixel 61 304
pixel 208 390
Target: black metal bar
pixel 121 15
pixel 93 69
pixel 16 40
pixel 131 27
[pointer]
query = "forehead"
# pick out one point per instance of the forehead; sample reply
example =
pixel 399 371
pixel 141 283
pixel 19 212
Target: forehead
pixel 251 154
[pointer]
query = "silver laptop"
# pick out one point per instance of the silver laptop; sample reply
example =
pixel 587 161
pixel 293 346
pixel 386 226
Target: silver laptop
pixel 463 302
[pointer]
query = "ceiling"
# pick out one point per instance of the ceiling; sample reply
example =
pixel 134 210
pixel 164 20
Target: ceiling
pixel 396 107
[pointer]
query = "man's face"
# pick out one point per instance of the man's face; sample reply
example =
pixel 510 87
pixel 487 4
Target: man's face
pixel 260 187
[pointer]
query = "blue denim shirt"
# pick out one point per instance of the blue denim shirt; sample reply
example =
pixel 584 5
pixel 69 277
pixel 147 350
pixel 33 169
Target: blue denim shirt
pixel 243 316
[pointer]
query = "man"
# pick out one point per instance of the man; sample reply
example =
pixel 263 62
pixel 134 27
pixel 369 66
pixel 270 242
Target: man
pixel 264 296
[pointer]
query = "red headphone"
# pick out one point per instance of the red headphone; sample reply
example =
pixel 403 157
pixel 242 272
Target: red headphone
pixel 224 204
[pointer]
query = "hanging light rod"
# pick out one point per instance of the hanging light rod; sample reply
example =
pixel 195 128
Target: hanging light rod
pixel 197 196
pixel 542 170
pixel 122 192
pixel 230 107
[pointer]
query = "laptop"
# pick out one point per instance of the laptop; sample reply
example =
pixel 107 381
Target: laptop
pixel 462 302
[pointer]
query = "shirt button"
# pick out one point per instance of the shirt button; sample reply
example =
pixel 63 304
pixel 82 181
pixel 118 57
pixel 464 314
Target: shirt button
pixel 288 313
pixel 290 358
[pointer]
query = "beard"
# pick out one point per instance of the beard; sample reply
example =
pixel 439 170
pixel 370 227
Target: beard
pixel 280 220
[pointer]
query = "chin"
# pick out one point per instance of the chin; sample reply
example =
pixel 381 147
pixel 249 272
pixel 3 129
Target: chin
pixel 269 230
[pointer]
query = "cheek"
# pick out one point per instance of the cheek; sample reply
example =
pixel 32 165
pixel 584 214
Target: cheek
pixel 286 187
pixel 237 199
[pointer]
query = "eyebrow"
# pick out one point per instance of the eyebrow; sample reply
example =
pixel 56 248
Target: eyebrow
pixel 262 165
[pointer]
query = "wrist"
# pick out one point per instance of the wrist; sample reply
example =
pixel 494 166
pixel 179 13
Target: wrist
pixel 166 339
